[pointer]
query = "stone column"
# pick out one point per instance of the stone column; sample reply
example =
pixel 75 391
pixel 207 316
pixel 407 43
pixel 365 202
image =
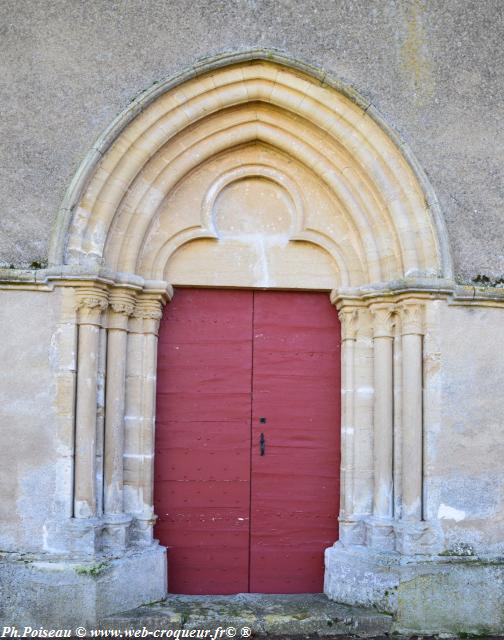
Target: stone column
pixel 100 420
pixel 380 533
pixel 121 305
pixel 141 413
pixel 412 418
pixel 91 302
pixel 349 319
pixel 397 375
pixel 414 535
pixel 363 419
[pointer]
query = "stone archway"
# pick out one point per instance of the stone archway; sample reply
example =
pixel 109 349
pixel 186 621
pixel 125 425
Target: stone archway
pixel 169 196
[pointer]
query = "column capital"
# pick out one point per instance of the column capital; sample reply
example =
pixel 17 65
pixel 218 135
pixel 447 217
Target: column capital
pixel 90 302
pixel 148 312
pixel 411 313
pixel 121 307
pixel 383 315
pixel 349 318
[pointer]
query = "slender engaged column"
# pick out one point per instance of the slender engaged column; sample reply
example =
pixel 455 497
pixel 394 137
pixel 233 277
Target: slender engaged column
pixel 397 376
pixel 348 318
pixel 363 422
pixel 100 420
pixel 383 410
pixel 381 534
pixel 141 407
pixel 412 418
pixel 152 312
pixel 91 302
pixel 121 305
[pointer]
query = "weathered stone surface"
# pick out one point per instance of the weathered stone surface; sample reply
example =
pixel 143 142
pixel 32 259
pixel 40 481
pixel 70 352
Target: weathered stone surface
pixel 34 453
pixel 67 593
pixel 432 594
pixel 434 70
pixel 265 615
pixel 465 446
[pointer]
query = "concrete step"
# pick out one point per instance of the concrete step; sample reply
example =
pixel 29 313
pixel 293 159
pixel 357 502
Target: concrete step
pixel 246 614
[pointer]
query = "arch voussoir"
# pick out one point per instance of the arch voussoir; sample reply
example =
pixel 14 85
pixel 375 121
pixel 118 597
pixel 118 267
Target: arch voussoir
pixel 358 162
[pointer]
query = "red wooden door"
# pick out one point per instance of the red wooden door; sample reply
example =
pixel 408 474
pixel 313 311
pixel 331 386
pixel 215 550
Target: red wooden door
pixel 202 464
pixel 295 484
pixel 233 365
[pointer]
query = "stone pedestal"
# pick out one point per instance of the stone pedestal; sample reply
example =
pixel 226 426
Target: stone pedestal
pixel 62 593
pixel 426 594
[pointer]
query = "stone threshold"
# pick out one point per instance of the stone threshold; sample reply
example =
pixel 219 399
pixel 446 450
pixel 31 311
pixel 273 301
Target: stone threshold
pixel 271 616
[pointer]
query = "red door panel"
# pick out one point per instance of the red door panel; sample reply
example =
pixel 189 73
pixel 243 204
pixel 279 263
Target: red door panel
pixel 202 466
pixel 295 484
pixel 234 520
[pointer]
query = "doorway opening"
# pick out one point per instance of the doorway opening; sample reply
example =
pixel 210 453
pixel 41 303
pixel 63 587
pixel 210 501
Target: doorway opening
pixel 247 440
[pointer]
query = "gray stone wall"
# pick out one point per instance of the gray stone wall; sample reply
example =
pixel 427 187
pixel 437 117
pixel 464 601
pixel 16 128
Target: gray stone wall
pixel 434 70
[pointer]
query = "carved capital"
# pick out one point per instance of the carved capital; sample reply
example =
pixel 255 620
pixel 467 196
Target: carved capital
pixel 90 304
pixel 124 308
pixel 349 318
pixel 148 313
pixel 383 315
pixel 412 314
pixel 121 307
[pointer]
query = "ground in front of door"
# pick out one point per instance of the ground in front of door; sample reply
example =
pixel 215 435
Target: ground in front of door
pixel 282 616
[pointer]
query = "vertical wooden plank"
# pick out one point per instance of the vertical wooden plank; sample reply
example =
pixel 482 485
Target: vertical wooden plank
pixel 295 484
pixel 202 466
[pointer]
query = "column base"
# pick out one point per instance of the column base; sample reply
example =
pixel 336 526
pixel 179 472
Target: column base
pixel 352 531
pixel 58 593
pixel 142 528
pixel 413 538
pixel 74 536
pixel 115 531
pixel 380 534
pixel 426 594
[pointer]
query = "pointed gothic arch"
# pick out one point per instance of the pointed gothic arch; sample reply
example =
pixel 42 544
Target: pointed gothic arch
pixel 155 204
pixel 382 206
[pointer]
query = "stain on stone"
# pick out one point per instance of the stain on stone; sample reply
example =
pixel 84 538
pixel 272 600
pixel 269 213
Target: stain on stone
pixel 483 280
pixel 92 570
pixel 414 52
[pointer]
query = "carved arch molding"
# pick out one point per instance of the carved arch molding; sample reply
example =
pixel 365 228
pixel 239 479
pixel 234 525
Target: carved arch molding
pixel 250 173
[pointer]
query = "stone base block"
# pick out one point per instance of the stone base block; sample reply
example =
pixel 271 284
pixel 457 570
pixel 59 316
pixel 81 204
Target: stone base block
pixel 426 594
pixel 66 593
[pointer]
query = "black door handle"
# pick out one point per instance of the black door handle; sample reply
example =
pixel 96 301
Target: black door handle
pixel 262 444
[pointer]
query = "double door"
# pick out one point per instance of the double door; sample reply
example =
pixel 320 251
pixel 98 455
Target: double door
pixel 247 440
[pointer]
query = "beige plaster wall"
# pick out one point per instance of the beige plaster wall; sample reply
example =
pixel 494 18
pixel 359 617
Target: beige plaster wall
pixel 35 462
pixel 465 446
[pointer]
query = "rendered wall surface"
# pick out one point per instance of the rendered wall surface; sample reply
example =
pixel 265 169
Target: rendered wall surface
pixel 433 70
pixel 33 455
pixel 465 455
